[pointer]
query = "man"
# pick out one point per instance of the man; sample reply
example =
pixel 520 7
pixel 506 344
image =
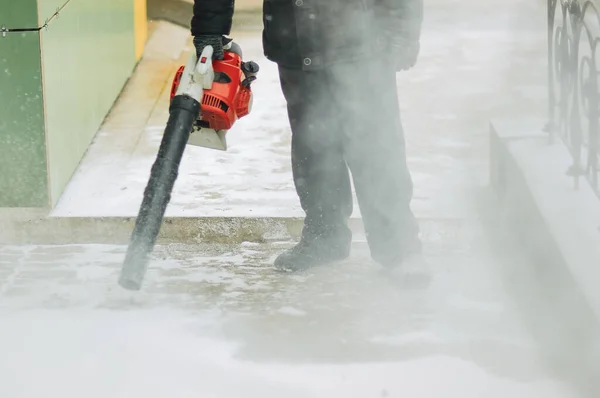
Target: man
pixel 337 64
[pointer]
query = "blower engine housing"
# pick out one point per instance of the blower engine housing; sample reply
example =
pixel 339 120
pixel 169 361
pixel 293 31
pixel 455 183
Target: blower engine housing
pixel 229 98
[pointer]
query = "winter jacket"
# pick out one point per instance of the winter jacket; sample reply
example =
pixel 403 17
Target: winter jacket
pixel 212 17
pixel 311 34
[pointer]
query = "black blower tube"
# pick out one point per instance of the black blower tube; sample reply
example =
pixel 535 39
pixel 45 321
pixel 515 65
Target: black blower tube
pixel 183 112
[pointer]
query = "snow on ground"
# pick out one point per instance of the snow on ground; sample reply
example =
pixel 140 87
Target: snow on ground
pixel 215 320
pixel 126 355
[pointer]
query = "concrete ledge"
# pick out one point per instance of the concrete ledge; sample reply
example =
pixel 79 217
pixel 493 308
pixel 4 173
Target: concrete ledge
pixel 556 223
pixel 36 228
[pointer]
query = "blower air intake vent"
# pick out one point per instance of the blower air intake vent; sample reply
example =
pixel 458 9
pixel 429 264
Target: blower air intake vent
pixel 209 100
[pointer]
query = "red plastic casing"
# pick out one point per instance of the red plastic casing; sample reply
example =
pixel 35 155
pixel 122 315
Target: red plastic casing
pixel 224 103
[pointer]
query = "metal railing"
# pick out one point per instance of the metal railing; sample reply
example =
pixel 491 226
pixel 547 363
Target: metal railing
pixel 574 83
pixel 4 30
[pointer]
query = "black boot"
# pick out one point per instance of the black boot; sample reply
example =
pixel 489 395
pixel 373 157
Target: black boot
pixel 316 249
pixel 408 267
pixel 392 254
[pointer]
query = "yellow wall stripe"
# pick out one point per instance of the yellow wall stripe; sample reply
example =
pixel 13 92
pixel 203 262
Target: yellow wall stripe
pixel 141 27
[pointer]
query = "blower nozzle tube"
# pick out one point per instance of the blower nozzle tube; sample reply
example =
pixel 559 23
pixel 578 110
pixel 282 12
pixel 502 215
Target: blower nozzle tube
pixel 183 112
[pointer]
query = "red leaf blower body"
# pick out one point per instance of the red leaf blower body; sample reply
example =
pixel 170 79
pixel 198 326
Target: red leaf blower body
pixel 229 99
pixel 207 98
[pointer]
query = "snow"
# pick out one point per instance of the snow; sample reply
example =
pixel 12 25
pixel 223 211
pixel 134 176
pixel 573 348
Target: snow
pixel 129 354
pixel 217 320
pixel 572 215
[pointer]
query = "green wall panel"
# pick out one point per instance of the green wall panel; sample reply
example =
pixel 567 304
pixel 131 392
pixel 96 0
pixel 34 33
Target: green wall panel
pixel 22 146
pixel 88 53
pixel 18 13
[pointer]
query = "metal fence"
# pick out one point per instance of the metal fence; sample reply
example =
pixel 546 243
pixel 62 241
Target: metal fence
pixel 573 81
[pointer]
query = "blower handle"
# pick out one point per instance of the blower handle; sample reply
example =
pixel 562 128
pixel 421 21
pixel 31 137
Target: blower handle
pixel 198 75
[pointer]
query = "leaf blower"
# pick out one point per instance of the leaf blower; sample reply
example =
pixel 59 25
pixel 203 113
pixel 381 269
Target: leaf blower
pixel 207 98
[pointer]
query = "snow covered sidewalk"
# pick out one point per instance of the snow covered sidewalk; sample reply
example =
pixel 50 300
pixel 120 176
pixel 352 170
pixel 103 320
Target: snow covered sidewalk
pixel 217 320
pixel 458 86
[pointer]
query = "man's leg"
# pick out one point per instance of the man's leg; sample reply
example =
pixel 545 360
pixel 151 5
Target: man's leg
pixel 366 95
pixel 320 172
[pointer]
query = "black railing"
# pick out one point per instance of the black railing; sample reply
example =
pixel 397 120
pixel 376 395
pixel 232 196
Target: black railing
pixel 573 81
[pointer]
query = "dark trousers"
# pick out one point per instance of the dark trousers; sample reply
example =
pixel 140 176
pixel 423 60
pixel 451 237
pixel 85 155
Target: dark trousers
pixel 343 118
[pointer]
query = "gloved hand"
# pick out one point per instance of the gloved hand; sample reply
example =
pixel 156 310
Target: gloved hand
pixel 401 31
pixel 405 52
pixel 216 41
